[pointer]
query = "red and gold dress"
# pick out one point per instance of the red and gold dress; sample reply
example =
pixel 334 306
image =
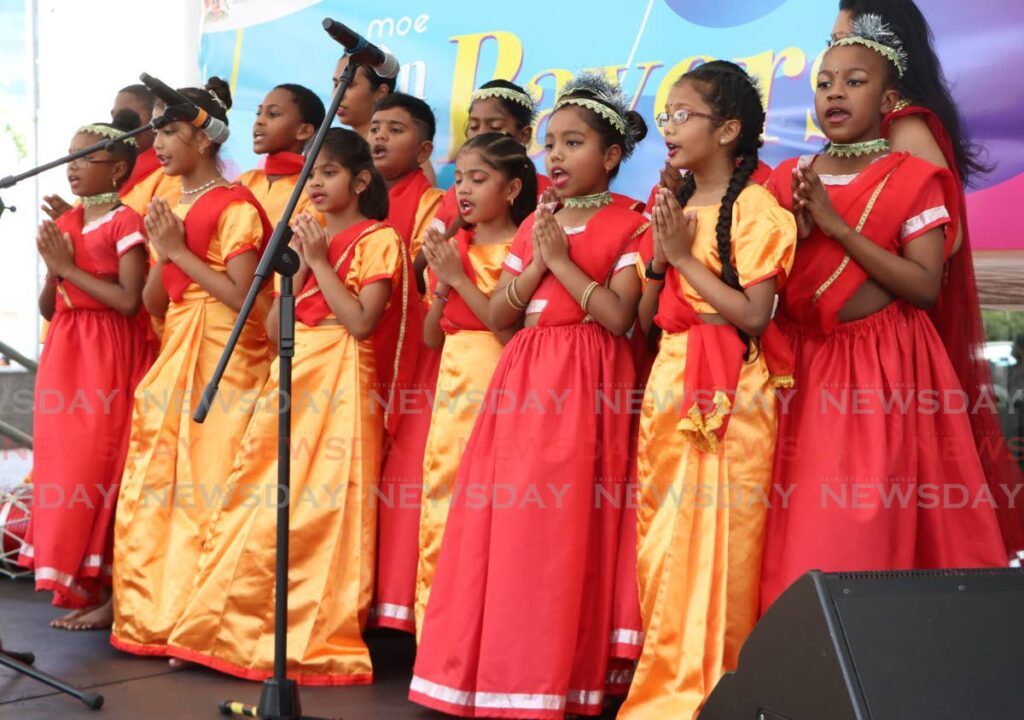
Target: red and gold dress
pixel 92 360
pixel 519 621
pixel 470 354
pixel 704 468
pixel 176 469
pixel 338 428
pixel 412 205
pixel 878 465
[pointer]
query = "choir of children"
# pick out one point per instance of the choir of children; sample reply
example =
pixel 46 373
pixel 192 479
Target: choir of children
pixel 467 463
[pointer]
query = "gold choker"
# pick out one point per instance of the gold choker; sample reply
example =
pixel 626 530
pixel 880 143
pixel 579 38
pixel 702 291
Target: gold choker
pixel 849 150
pixel 586 202
pixel 101 199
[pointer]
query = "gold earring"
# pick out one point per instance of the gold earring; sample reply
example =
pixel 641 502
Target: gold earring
pixel 113 182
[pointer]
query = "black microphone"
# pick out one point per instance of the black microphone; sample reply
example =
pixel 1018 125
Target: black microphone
pixel 185 109
pixel 383 63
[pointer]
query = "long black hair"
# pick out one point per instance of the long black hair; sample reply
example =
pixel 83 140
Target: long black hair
pixel 924 83
pixel 729 92
pixel 352 152
pixel 508 157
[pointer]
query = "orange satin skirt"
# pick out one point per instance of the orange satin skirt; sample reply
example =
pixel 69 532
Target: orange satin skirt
pixel 176 468
pixel 337 434
pixel 467 364
pixel 701 522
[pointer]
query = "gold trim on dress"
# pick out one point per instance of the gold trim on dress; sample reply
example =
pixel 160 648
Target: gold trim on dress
pixel 316 288
pixel 700 430
pixel 860 226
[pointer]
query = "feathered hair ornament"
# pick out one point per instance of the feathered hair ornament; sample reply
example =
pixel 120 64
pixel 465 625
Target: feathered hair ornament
pixel 871 31
pixel 594 92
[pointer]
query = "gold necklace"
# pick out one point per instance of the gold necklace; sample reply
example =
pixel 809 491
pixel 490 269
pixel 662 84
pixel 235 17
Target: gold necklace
pixel 101 199
pixel 849 150
pixel 586 202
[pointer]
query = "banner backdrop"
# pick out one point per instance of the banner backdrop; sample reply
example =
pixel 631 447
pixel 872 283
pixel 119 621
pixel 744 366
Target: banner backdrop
pixel 449 48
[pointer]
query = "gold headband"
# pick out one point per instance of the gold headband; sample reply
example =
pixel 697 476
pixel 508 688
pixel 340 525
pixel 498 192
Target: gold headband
pixel 111 133
pixel 896 57
pixel 505 94
pixel 598 107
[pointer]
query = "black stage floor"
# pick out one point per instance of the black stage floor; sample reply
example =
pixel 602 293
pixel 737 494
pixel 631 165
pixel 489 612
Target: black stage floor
pixel 149 688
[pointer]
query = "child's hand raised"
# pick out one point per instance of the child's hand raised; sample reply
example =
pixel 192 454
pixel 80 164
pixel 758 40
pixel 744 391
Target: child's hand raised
pixel 670 179
pixel 56 249
pixel 312 240
pixel 444 260
pixel 804 221
pixel 549 239
pixel 166 230
pixel 550 199
pixel 673 229
pixel 811 196
pixel 55 206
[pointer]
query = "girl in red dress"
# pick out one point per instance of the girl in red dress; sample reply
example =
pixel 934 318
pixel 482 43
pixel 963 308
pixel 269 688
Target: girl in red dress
pixel 926 124
pixel 97 349
pixel 520 613
pixel 878 470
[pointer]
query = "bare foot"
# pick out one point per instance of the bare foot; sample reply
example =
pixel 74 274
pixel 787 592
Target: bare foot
pixel 62 621
pixel 176 662
pixel 98 618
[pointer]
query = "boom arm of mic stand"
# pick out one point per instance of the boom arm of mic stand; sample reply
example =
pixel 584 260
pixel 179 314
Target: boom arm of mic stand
pixel 278 241
pixel 12 180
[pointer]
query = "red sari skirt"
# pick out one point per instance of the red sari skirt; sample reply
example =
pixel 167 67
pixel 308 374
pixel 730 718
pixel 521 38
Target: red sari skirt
pixel 90 365
pixel 520 616
pixel 876 467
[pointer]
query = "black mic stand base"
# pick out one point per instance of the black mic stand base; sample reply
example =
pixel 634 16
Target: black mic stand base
pixel 22 663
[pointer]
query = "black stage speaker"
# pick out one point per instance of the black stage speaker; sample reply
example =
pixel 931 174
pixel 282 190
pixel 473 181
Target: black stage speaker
pixel 922 645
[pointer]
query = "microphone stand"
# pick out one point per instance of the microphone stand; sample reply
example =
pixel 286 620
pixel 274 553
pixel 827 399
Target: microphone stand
pixel 279 698
pixel 12 180
pixel 21 662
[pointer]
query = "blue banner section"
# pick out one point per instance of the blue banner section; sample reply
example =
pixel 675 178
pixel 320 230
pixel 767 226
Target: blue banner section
pixel 447 49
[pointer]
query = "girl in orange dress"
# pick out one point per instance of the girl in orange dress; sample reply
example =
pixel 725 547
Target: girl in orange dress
pixel 496 189
pixel 207 249
pixel 97 349
pixel 707 425
pixel 354 275
pixel 520 613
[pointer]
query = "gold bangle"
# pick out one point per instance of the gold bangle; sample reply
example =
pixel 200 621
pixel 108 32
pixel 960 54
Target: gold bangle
pixel 513 297
pixel 587 293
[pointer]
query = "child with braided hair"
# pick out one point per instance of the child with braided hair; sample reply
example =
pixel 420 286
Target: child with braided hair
pixel 715 257
pixel 521 607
